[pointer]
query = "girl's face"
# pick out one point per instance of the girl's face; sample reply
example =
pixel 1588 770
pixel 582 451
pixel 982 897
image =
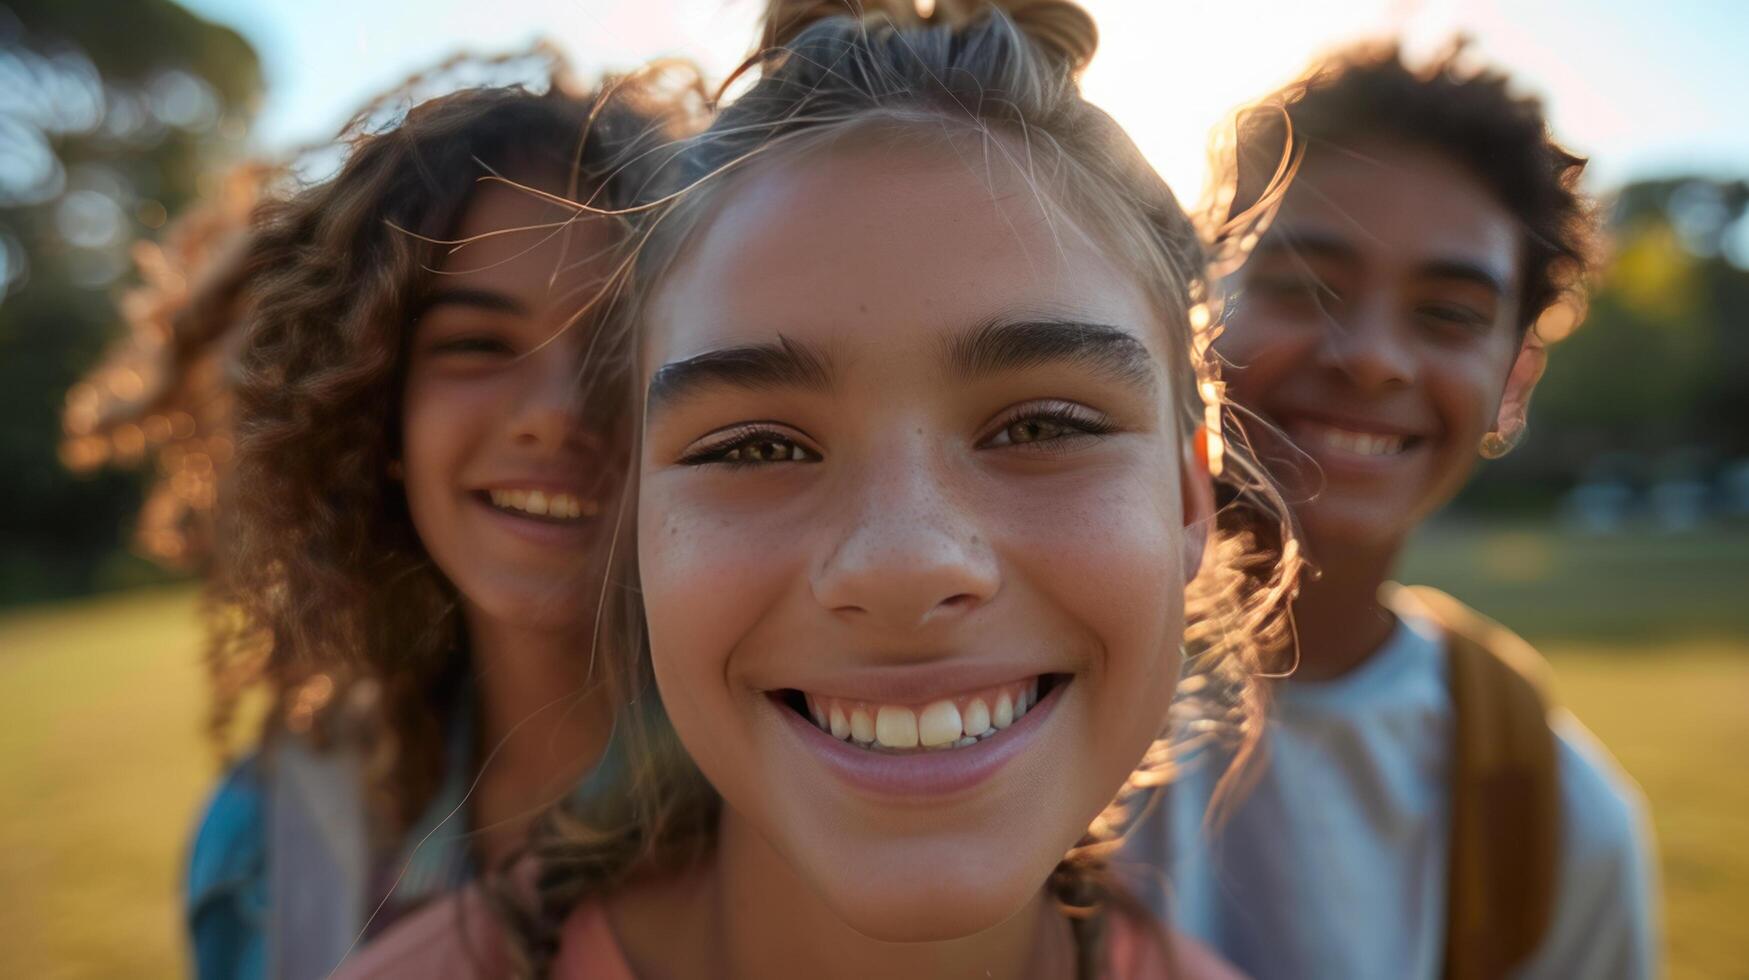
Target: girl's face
pixel 912 526
pixel 506 479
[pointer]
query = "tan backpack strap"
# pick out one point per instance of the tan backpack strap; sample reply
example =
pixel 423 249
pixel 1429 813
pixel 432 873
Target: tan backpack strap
pixel 1505 810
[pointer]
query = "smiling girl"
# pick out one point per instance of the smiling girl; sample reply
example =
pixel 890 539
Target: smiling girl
pixel 921 487
pixel 425 457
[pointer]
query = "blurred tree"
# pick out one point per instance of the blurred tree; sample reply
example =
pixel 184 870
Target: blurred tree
pixel 110 116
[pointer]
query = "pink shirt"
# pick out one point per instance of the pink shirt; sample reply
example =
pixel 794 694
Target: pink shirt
pixel 459 939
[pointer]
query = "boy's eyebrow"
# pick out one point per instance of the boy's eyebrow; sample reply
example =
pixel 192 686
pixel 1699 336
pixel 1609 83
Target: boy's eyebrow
pixel 1324 245
pixel 479 299
pixel 785 363
pixel 1464 270
pixel 1011 345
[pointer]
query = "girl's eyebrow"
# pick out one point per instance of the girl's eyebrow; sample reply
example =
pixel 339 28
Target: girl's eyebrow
pixel 784 364
pixel 998 345
pixel 1013 345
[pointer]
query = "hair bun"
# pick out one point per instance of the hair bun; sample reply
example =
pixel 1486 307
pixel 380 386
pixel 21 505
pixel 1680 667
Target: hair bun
pixel 1059 26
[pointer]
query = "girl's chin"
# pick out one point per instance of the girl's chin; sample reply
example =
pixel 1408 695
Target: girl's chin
pixel 912 899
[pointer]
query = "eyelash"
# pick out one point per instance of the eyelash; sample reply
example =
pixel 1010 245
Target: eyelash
pixel 471 344
pixel 1455 315
pixel 1082 423
pixel 721 451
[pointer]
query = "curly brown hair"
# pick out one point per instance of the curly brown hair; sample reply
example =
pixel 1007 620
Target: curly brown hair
pixel 1469 115
pixel 158 396
pixel 325 598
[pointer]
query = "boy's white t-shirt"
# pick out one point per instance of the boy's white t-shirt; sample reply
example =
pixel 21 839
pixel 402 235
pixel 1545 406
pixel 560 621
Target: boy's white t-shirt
pixel 1334 863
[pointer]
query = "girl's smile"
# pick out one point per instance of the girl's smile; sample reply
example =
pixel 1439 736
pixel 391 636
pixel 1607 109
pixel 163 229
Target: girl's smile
pixel 507 476
pixel 914 752
pixel 911 526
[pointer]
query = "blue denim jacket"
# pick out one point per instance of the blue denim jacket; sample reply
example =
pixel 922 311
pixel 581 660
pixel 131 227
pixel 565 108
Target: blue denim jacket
pixel 280 884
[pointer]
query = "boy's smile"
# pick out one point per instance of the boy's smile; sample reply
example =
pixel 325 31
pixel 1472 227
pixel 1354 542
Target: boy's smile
pixel 1375 328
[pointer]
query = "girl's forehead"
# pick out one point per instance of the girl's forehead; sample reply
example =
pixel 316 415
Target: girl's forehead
pixel 872 242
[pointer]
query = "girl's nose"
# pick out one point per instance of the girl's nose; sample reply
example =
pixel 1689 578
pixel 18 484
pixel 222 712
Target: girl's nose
pixel 911 553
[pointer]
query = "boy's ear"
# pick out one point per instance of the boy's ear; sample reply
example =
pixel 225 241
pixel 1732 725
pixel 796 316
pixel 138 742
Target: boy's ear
pixel 1527 370
pixel 1197 490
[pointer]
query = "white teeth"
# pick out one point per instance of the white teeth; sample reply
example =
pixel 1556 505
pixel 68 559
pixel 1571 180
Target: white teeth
pixel 563 506
pixel 861 726
pixel 977 718
pixel 938 725
pixel 896 727
pixel 1003 716
pixel 1360 443
pixel 943 724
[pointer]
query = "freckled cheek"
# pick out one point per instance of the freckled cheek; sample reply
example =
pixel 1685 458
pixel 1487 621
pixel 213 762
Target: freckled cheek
pixel 1106 553
pixel 706 579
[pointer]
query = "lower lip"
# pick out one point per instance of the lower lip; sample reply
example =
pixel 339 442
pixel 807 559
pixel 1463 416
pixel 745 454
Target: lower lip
pixel 913 775
pixel 546 533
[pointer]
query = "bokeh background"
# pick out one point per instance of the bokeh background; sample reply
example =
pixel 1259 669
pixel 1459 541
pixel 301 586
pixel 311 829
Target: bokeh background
pixel 1616 539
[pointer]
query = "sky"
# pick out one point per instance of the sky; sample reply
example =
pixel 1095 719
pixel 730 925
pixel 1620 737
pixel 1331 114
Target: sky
pixel 1644 89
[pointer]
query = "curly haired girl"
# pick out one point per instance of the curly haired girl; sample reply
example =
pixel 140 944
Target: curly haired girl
pixel 416 518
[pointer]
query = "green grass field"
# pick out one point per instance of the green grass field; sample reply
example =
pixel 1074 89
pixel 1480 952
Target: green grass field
pixel 102 762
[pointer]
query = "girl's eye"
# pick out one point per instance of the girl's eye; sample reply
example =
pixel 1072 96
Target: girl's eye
pixel 1055 425
pixel 472 344
pixel 750 446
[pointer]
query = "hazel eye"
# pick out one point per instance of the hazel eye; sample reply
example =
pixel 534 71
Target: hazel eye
pixel 1053 425
pixel 1036 430
pixel 751 447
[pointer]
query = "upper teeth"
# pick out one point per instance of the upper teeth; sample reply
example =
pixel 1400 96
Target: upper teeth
pixel 941 724
pixel 1363 443
pixel 561 505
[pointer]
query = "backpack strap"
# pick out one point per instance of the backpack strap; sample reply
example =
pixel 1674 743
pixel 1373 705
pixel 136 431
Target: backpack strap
pixel 1505 796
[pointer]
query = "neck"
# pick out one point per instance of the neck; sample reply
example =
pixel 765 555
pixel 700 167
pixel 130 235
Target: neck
pixel 1338 618
pixel 763 920
pixel 543 723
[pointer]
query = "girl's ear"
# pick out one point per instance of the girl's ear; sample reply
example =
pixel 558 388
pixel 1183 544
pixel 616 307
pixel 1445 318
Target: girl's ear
pixel 1197 490
pixel 1527 370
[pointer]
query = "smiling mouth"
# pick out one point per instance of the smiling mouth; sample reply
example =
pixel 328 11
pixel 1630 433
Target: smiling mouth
pixel 538 505
pixel 1350 441
pixel 940 725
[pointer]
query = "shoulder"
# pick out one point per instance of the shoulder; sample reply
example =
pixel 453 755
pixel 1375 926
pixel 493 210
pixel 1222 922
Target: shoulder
pixel 1139 949
pixel 1604 820
pixel 457 937
pixel 225 885
pixel 230 841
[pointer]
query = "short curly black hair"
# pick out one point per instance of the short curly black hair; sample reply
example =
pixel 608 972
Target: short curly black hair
pixel 1468 114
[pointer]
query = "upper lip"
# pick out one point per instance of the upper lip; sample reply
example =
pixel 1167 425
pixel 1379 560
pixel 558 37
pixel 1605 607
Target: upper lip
pixel 1351 422
pixel 915 683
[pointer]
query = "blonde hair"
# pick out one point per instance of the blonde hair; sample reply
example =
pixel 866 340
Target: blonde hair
pixel 1008 72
